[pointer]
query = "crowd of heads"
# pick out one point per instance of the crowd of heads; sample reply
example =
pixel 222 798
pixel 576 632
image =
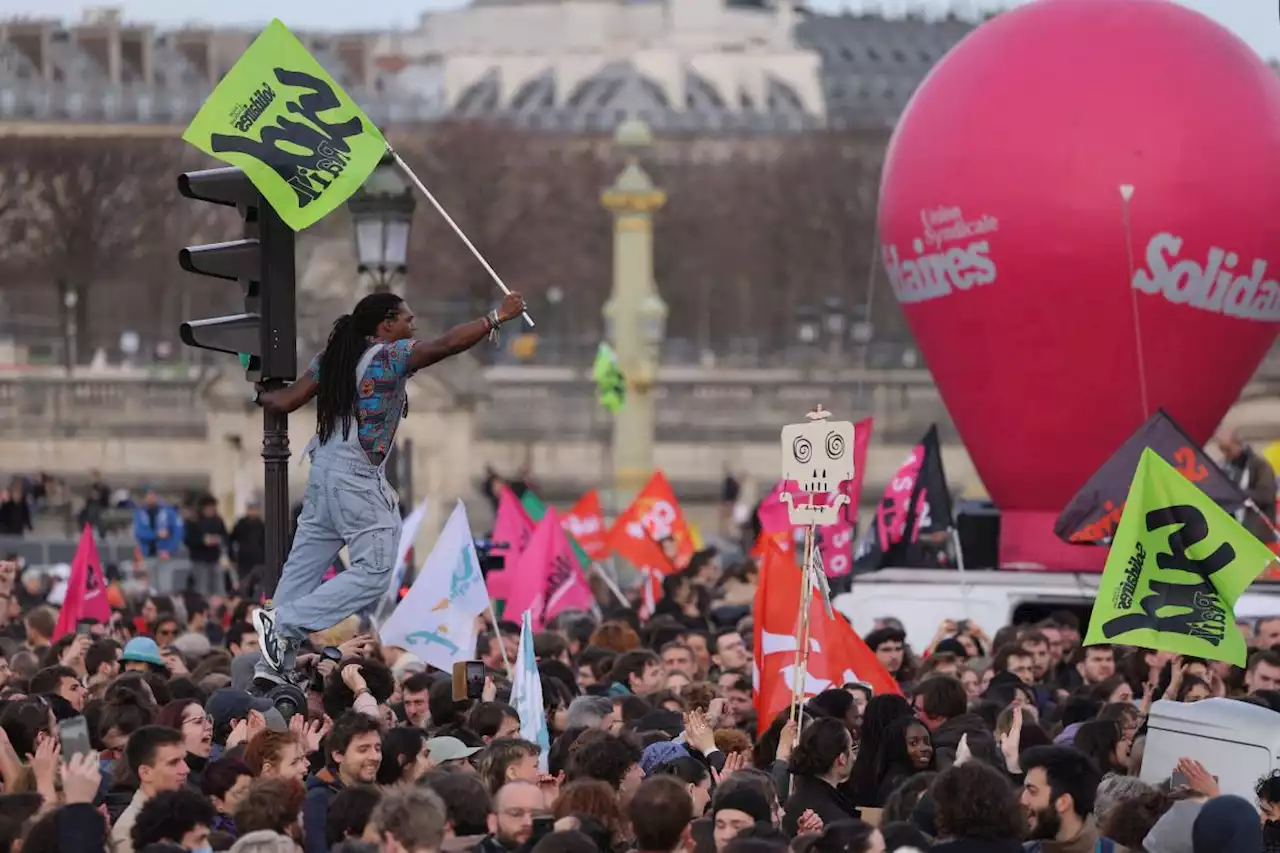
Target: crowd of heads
pixel 141 735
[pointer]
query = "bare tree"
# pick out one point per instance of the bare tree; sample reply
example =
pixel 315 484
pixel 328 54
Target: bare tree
pixel 90 211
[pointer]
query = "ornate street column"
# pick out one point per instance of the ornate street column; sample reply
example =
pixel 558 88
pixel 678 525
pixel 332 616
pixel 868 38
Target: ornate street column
pixel 635 315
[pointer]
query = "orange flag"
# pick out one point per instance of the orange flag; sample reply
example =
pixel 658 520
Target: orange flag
pixel 654 516
pixel 585 523
pixel 837 655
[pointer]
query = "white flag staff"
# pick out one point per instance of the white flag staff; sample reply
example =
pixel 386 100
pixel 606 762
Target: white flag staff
pixel 422 188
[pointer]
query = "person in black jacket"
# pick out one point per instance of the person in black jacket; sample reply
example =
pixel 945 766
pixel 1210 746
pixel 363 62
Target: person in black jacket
pixel 942 704
pixel 822 759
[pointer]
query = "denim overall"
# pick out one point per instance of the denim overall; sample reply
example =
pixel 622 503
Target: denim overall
pixel 348 502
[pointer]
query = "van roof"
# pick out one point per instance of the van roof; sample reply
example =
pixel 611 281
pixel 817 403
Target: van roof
pixel 1223 719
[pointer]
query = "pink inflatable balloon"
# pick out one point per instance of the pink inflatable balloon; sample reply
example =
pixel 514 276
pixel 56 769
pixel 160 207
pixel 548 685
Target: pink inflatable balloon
pixel 1047 147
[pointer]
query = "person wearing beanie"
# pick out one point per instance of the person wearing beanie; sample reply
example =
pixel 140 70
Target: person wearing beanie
pixel 733 811
pixel 1227 824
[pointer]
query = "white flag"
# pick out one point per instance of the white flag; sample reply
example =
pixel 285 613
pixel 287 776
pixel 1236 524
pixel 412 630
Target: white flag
pixel 526 694
pixel 436 621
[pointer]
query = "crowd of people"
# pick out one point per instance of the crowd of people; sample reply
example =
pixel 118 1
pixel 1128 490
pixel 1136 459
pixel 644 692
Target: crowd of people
pixel 141 735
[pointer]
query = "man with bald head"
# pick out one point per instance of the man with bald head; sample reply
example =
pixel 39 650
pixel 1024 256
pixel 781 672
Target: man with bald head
pixel 515 806
pixel 1255 477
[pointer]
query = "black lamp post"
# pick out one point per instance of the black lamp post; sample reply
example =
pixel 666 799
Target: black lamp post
pixel 382 213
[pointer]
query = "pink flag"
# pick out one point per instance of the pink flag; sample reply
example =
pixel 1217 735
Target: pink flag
pixel 837 552
pixel 548 579
pixel 773 512
pixel 86 596
pixel 513 528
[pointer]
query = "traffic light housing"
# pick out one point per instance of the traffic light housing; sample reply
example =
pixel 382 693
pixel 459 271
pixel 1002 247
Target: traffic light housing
pixel 264 335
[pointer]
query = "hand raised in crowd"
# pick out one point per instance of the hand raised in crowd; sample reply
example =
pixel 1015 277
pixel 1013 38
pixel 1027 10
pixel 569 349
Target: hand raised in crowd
pixel 698 733
pixel 312 733
pixel 8 575
pixel 1011 741
pixel 963 753
pixel 1199 779
pixel 809 822
pixel 174 663
pixel 73 654
pixel 81 778
pixel 733 762
pixel 354 678
pixel 44 766
pixel 716 711
pixel 786 742
pixel 358 646
pixel 490 690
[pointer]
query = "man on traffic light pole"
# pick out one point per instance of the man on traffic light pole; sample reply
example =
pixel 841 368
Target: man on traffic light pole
pixel 359 382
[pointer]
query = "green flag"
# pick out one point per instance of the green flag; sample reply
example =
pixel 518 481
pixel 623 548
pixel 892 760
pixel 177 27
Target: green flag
pixel 611 385
pixel 1177 565
pixel 536 509
pixel 280 117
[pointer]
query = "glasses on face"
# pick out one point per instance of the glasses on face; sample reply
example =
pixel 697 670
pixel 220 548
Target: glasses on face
pixel 166 633
pixel 202 720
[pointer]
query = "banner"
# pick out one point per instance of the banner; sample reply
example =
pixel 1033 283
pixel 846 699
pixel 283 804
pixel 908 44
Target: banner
pixel 512 528
pixel 1177 566
pixel 1093 514
pixel 585 523
pixel 915 502
pixel 837 654
pixel 652 518
pixel 436 620
pixel 549 579
pixel 86 596
pixel 279 116
pixel 526 694
pixel 536 509
pixel 611 384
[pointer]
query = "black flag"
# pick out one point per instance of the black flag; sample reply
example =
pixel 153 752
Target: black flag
pixel 1094 513
pixel 916 503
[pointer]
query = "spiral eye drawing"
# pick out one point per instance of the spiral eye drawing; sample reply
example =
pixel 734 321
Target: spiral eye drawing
pixel 835 445
pixel 802 449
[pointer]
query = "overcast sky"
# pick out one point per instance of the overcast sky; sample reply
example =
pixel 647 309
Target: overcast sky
pixel 1256 21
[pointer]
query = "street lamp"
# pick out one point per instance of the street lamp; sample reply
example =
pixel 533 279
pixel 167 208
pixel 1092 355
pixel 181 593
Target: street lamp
pixel 382 213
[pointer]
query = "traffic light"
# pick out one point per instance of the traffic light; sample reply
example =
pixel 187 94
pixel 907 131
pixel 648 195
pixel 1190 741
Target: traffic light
pixel 263 336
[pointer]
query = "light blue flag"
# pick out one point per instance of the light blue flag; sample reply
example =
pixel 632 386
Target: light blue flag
pixel 526 694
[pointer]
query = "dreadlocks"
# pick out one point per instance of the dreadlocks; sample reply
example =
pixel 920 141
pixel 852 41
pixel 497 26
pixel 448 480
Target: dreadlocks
pixel 347 344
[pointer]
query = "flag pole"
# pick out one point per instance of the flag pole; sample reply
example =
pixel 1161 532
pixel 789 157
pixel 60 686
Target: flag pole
pixel 802 636
pixel 497 633
pixel 422 188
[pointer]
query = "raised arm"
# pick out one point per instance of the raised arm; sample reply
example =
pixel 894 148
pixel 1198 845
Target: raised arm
pixel 464 337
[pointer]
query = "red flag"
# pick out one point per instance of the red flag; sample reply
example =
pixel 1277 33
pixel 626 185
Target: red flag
pixel 585 522
pixel 653 516
pixel 86 596
pixel 836 653
pixel 513 528
pixel 548 579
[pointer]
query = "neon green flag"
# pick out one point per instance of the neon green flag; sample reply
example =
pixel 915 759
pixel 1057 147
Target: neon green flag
pixel 1177 566
pixel 611 385
pixel 280 117
pixel 536 509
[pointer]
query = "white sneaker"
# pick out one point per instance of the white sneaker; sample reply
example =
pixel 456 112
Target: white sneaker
pixel 271 644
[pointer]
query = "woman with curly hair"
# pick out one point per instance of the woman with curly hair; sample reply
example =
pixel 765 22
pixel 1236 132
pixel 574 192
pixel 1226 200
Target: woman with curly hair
pixel 976 808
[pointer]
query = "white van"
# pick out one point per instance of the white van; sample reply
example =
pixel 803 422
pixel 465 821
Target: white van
pixel 1237 742
pixel 922 598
